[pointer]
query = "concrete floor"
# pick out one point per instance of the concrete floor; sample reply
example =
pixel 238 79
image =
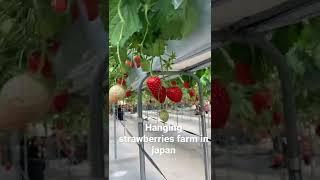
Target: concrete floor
pixel 235 163
pixel 186 164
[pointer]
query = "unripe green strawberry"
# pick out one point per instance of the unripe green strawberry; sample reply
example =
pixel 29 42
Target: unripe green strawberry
pixel 164 115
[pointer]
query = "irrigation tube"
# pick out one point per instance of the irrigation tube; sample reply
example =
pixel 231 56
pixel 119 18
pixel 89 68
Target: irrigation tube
pixel 278 59
pixel 203 123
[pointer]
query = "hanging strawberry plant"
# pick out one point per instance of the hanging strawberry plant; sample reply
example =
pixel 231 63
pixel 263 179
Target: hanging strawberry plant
pixel 29 43
pixel 139 33
pixel 253 85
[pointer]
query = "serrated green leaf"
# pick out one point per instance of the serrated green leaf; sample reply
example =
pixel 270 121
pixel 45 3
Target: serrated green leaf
pixel 155 49
pixel 294 62
pixel 129 9
pixel 285 38
pixel 146 65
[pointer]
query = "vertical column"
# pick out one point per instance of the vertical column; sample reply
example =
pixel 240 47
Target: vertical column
pixel 115 132
pixel 96 143
pixel 285 75
pixel 141 134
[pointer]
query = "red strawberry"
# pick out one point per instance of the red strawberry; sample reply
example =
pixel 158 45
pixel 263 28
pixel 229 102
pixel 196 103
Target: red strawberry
pixel 121 81
pixel 186 85
pixel 54 46
pixel 174 94
pixel 243 74
pixel 60 101
pixel 277 118
pixel 59 6
pixel 261 100
pixel 137 61
pixel 129 63
pixel 128 93
pixel 34 62
pixel 221 105
pixel 92 7
pixel 154 84
pixel 158 91
pixel 173 83
pixel 161 95
pixel 318 130
pixel 192 92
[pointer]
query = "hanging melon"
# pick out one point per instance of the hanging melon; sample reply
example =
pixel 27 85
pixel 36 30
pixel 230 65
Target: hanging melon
pixel 23 99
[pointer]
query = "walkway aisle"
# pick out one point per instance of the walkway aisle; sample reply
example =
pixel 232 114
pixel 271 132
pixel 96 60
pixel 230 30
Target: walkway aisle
pixel 186 164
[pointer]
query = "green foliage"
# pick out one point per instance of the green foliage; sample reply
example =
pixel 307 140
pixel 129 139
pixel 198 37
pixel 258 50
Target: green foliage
pixel 138 27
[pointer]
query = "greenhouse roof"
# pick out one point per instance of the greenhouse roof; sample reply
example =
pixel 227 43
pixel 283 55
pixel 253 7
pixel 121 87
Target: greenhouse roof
pixel 261 15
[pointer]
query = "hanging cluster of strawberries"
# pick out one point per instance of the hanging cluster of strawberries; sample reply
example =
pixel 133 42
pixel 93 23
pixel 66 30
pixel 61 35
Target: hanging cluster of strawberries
pixel 261 100
pixel 37 63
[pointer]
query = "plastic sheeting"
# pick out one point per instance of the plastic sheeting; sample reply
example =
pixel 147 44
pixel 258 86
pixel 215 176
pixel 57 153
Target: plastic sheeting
pixel 227 12
pixel 197 42
pixel 83 45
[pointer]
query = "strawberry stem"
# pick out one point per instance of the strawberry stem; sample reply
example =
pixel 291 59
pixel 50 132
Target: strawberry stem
pixel 122 21
pixel 225 53
pixel 151 73
pixel 181 79
pixel 42 41
pixel 146 9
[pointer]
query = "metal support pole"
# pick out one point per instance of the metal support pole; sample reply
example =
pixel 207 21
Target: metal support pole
pixel 25 157
pixel 15 152
pixel 294 166
pixel 115 133
pixel 141 133
pixel 96 144
pixel 285 75
pixel 203 123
